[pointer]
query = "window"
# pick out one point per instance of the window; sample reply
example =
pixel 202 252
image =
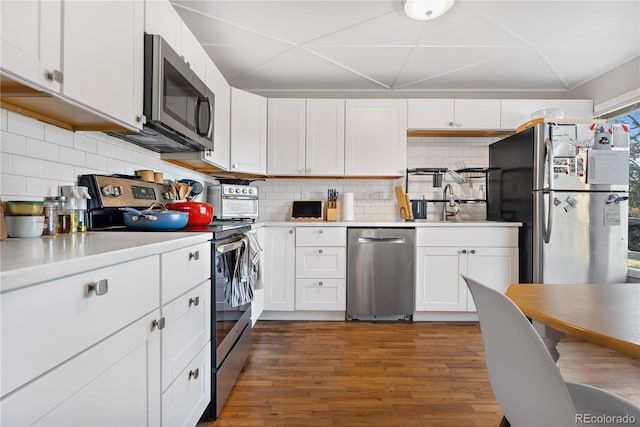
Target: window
pixel 632 119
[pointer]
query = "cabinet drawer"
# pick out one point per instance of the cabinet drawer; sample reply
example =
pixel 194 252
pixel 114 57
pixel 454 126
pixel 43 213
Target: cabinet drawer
pixel 184 402
pixel 114 383
pixel 321 294
pixel 187 330
pixel 321 236
pixel 58 319
pixel 320 262
pixel 467 236
pixel 183 269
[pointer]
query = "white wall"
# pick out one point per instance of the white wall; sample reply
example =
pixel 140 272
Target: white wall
pixel 38 157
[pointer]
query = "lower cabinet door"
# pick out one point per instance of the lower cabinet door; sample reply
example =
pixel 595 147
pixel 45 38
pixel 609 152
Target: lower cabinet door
pixel 185 401
pixel 187 330
pixel 114 383
pixel 439 286
pixel 321 294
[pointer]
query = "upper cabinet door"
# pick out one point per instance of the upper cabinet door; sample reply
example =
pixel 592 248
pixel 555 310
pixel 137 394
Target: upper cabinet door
pixel 30 41
pixel 248 132
pixel 376 137
pixel 454 114
pixel 430 113
pixel 103 56
pixel 222 116
pixel 477 114
pixel 325 137
pixel 515 112
pixel 286 137
pixel 161 18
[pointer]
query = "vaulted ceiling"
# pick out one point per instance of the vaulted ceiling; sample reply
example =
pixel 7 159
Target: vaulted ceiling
pixel 342 45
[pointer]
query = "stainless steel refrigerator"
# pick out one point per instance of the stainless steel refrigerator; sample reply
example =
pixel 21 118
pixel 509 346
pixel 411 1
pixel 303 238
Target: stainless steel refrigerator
pixel 568 185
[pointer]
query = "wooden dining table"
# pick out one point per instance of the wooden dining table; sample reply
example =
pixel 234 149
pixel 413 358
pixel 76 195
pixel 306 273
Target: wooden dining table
pixel 605 314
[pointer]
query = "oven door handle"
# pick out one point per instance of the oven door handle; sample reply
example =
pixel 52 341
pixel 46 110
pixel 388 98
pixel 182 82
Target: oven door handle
pixel 228 247
pixel 239 198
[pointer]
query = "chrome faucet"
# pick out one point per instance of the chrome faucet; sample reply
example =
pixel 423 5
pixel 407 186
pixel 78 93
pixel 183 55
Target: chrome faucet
pixel 449 205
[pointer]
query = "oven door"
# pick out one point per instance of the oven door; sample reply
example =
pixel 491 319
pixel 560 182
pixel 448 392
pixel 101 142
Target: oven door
pixel 230 321
pixel 175 98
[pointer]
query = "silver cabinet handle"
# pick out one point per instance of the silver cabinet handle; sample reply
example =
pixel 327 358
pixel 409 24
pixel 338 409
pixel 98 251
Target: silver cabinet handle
pixel 194 301
pixel 320 231
pixel 234 166
pixel 194 255
pixel 290 231
pixel 100 287
pixel 158 323
pixel 320 283
pixel 320 251
pixel 464 251
pixel 472 251
pixel 195 373
pixel 54 76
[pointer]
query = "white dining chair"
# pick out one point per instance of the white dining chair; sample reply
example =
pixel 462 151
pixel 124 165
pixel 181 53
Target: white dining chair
pixel 525 380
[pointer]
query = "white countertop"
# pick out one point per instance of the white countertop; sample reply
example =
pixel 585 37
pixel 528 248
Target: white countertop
pixel 408 224
pixel 28 261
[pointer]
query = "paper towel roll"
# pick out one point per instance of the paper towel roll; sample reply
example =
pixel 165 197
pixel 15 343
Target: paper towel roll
pixel 348 211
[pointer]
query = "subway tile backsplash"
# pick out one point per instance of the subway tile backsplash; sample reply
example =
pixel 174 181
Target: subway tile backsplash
pixel 37 157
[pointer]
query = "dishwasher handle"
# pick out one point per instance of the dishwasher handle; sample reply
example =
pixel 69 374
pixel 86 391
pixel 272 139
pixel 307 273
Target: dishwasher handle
pixel 381 240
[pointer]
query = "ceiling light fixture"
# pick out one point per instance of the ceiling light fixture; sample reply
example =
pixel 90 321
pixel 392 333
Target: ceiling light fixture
pixel 424 10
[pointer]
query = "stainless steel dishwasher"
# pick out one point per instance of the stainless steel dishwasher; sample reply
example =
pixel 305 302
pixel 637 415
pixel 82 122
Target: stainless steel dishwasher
pixel 380 273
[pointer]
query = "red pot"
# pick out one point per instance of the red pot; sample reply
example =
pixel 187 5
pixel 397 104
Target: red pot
pixel 199 213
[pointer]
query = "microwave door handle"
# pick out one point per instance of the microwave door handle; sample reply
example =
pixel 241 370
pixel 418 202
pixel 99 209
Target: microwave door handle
pixel 198 105
pixel 210 127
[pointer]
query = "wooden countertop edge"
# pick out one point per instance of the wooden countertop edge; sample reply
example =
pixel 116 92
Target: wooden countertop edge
pixel 568 328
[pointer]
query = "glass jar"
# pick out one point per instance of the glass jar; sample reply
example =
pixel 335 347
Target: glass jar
pixel 64 217
pixel 50 210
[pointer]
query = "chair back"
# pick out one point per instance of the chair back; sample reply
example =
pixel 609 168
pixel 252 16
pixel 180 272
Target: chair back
pixel 525 380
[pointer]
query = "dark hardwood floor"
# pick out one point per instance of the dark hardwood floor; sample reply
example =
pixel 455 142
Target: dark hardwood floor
pixel 388 374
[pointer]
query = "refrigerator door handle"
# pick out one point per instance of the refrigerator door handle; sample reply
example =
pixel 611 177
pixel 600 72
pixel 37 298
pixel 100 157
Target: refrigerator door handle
pixel 549 224
pixel 548 143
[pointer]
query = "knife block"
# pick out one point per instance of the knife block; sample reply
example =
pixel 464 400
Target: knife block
pixel 333 211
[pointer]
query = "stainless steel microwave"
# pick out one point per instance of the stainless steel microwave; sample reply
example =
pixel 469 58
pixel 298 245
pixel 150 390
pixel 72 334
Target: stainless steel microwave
pixel 178 106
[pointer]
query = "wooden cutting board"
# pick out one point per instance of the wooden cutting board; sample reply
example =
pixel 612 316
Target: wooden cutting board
pixel 404 204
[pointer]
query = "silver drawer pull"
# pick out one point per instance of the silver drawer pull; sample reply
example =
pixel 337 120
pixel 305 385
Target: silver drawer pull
pixel 194 374
pixel 194 301
pixel 100 287
pixel 320 251
pixel 473 251
pixel 54 76
pixel 158 323
pixel 320 231
pixel 320 283
pixel 464 251
pixel 194 255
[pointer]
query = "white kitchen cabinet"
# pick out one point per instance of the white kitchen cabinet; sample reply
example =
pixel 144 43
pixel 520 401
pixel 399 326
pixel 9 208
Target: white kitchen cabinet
pixel 325 134
pixel 279 268
pixel 248 132
pixel 222 116
pixel 103 57
pixel 574 108
pixel 488 254
pixel 88 390
pixel 257 305
pixel 454 114
pixel 161 18
pixel 193 52
pixel 515 112
pixel 375 137
pixel 185 401
pixel 184 269
pixel 286 128
pixel 321 257
pixel 306 137
pixel 30 34
pixel 79 318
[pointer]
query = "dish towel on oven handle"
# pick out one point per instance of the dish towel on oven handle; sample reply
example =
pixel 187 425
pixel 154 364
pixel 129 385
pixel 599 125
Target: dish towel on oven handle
pixel 237 290
pixel 255 250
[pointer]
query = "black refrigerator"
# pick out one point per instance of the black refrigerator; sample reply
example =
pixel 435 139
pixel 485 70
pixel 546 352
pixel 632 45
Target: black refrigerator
pixel 568 185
